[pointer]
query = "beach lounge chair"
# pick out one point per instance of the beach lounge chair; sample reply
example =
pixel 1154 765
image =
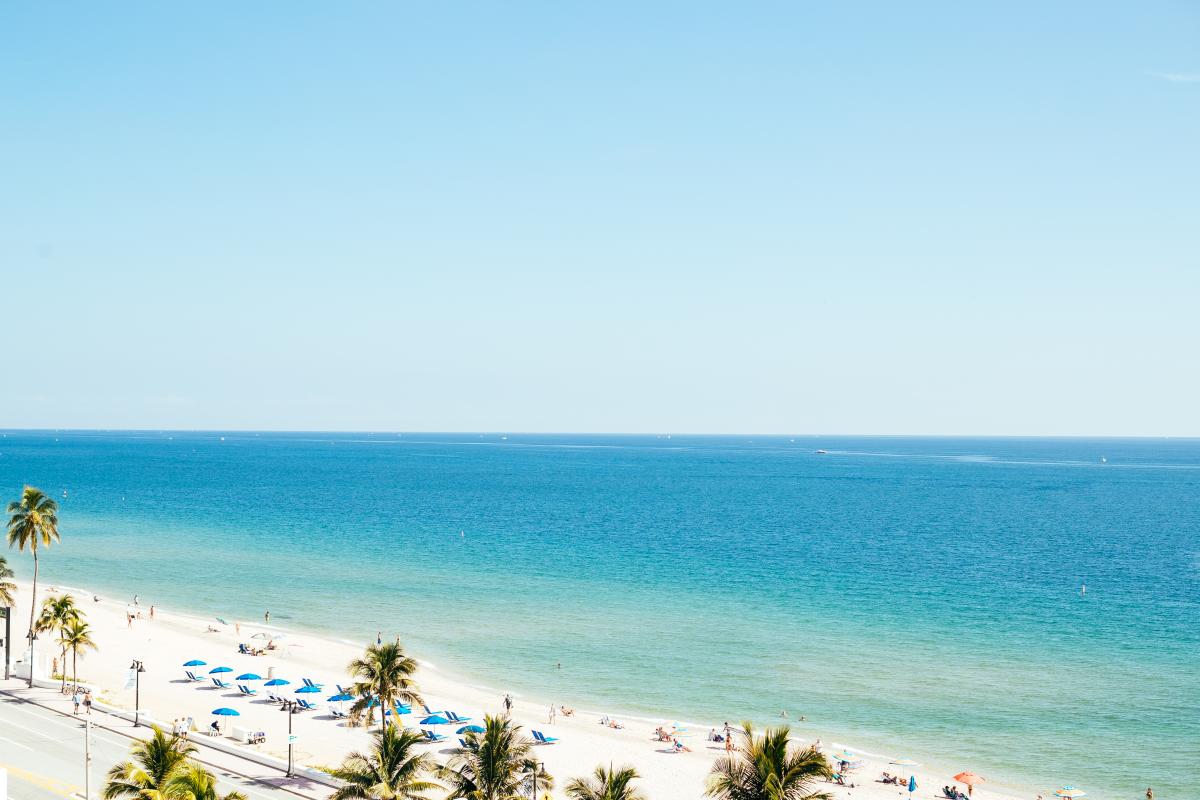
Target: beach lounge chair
pixel 433 737
pixel 456 718
pixel 429 712
pixel 542 738
pixel 337 714
pixel 193 676
pixel 307 706
pixel 246 690
pixel 220 684
pixel 309 682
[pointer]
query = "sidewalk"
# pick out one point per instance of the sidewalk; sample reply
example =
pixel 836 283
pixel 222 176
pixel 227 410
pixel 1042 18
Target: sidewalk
pixel 216 754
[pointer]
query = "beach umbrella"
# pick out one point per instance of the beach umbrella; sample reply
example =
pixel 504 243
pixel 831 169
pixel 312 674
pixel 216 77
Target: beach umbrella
pixel 1070 791
pixel 970 779
pixel 308 689
pixel 195 662
pixel 912 784
pixel 216 670
pixel 226 712
pixel 248 676
pixel 471 729
pixel 223 622
pixel 845 755
pixel 435 719
pixel 276 682
pixel 340 698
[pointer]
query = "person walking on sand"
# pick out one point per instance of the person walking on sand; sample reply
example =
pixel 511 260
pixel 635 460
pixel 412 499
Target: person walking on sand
pixel 728 738
pixel 508 704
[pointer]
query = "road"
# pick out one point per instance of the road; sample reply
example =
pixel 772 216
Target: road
pixel 43 752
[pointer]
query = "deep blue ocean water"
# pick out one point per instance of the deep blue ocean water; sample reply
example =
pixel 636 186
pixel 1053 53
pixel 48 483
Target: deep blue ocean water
pixel 915 597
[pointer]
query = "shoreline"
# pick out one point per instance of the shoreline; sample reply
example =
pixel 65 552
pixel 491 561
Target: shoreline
pixel 529 710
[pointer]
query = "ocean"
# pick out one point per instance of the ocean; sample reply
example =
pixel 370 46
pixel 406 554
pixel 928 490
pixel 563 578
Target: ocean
pixel 916 597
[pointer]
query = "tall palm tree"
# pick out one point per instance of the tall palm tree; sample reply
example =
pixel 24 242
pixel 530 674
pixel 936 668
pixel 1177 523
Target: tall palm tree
pixel 57 613
pixel 768 767
pixel 76 636
pixel 391 770
pixel 383 674
pixel 32 520
pixel 494 765
pixel 606 784
pixel 147 776
pixel 194 782
pixel 8 589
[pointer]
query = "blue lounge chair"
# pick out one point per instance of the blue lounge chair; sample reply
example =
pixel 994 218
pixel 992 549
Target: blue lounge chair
pixel 462 743
pixel 244 689
pixel 456 718
pixel 309 682
pixel 193 676
pixel 307 706
pixel 542 738
pixel 433 737
pixel 220 684
pixel 337 714
pixel 429 712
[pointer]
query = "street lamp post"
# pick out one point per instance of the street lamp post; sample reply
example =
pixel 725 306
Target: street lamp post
pixel 138 669
pixel 7 639
pixel 290 707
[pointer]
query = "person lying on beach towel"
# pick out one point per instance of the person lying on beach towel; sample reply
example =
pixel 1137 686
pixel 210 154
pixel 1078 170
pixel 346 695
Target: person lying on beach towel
pixel 681 747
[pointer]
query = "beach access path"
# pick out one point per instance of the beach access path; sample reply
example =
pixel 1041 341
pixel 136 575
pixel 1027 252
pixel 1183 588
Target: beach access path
pixel 42 747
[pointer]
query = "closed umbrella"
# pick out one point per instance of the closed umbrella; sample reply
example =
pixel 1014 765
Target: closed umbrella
pixel 970 779
pixel 912 784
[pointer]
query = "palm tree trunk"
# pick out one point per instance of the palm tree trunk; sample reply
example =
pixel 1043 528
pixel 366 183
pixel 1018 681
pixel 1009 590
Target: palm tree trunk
pixel 32 606
pixel 74 669
pixel 63 661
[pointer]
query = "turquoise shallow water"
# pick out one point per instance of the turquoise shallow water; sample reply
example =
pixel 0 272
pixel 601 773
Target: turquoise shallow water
pixel 916 597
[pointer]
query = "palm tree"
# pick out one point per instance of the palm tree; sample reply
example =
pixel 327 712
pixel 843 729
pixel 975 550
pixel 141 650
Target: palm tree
pixel 606 784
pixel 57 613
pixel 32 520
pixel 391 770
pixel 76 636
pixel 768 768
pixel 147 776
pixel 383 674
pixel 194 782
pixel 493 765
pixel 8 589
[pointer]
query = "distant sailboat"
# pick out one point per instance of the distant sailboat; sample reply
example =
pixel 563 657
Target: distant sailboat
pixel 822 452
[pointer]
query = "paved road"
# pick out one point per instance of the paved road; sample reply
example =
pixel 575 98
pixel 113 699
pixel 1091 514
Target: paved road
pixel 44 754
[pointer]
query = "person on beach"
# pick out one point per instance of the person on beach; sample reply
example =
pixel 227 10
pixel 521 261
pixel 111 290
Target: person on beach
pixel 76 700
pixel 237 627
pixel 1149 793
pixel 128 620
pixel 267 617
pixel 552 713
pixel 378 638
pixel 728 738
pixel 135 599
pixel 87 702
pixel 215 728
pixel 152 612
pixel 508 704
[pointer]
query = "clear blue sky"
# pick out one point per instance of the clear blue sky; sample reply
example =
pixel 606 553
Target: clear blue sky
pixel 795 217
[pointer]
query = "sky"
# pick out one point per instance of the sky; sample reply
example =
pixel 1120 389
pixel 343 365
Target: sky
pixel 872 218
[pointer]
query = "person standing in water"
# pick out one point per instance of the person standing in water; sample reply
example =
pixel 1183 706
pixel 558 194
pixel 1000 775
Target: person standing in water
pixel 267 617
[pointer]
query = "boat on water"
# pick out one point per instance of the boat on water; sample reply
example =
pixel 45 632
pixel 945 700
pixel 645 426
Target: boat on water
pixel 822 452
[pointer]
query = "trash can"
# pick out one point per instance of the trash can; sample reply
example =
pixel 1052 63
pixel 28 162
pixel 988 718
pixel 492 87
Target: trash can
pixel 270 673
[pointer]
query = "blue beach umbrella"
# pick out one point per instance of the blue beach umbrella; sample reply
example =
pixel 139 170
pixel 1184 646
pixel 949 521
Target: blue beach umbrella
pixel 912 784
pixel 340 698
pixel 248 676
pixel 276 682
pixel 195 662
pixel 226 712
pixel 471 729
pixel 308 689
pixel 215 670
pixel 434 719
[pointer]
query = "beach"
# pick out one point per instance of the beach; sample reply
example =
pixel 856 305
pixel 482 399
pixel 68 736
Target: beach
pixel 163 644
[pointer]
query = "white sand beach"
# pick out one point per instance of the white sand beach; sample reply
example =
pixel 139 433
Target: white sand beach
pixel 168 640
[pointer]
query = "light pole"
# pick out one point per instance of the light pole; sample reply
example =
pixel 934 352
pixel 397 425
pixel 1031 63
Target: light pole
pixel 7 639
pixel 87 759
pixel 289 707
pixel 138 669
